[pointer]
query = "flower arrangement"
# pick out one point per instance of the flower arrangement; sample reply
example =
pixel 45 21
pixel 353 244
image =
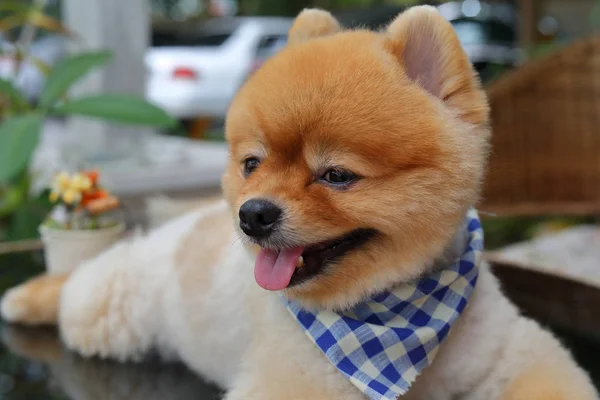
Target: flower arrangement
pixel 81 203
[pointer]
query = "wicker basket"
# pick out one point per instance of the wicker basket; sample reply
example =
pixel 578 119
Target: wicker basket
pixel 546 161
pixel 546 135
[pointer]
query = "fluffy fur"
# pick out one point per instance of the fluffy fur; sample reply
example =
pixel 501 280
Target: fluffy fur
pixel 402 109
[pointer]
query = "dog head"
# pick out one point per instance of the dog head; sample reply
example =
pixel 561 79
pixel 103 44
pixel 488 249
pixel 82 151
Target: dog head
pixel 355 155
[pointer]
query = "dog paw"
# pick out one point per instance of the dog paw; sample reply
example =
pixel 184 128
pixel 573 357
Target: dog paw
pixel 34 302
pixel 14 306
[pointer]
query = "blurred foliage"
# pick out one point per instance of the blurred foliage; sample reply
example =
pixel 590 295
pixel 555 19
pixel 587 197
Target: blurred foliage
pixel 18 11
pixel 22 119
pixel 501 231
pixel 26 218
pixel 542 50
pixel 595 16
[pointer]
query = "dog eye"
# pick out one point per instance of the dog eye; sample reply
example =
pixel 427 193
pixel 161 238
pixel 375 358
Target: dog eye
pixel 338 176
pixel 250 164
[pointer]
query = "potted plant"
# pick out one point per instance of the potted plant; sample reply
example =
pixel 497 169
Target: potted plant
pixel 22 118
pixel 84 221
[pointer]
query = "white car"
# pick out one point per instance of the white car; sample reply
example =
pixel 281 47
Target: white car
pixel 195 70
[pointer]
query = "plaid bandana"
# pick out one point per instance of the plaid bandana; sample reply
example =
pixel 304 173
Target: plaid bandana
pixel 383 344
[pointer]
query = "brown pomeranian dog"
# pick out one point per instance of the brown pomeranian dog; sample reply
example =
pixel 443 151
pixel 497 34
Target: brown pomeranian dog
pixel 352 266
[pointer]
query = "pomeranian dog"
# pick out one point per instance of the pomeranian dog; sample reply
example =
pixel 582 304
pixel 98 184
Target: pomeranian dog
pixel 355 160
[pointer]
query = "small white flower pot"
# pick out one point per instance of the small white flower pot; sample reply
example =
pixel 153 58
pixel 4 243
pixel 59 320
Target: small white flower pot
pixel 65 250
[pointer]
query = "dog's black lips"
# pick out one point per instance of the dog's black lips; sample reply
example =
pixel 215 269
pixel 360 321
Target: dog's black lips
pixel 318 256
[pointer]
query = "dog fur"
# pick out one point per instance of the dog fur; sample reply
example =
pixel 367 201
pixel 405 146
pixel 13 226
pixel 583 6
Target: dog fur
pixel 402 109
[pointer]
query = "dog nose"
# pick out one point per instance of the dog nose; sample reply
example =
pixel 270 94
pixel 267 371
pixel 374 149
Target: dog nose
pixel 258 217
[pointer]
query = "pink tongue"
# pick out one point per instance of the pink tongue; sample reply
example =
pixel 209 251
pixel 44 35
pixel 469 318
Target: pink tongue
pixel 273 270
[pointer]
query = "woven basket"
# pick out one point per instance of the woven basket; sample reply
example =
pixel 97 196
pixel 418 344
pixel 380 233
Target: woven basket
pixel 546 135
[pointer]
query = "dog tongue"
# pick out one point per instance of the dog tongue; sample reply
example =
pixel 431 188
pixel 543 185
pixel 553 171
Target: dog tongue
pixel 273 270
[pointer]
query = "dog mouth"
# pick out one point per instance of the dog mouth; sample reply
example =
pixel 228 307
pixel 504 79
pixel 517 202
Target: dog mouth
pixel 277 269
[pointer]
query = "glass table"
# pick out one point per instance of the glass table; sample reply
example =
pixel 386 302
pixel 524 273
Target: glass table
pixel 34 365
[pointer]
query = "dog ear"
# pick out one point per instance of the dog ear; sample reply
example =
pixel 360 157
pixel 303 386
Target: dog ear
pixel 429 50
pixel 313 23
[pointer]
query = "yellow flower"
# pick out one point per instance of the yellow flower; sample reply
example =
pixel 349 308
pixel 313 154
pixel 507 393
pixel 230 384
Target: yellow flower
pixel 54 196
pixel 70 188
pixel 80 182
pixel 71 196
pixel 62 182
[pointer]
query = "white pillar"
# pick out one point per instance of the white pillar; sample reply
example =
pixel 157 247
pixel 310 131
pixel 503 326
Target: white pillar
pixel 123 27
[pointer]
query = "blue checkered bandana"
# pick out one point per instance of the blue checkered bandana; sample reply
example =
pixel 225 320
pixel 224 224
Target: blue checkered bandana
pixel 383 344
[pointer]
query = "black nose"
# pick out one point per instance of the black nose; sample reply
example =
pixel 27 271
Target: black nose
pixel 258 217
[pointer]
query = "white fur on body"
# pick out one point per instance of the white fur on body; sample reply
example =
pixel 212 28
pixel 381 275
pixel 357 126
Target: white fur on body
pixel 139 296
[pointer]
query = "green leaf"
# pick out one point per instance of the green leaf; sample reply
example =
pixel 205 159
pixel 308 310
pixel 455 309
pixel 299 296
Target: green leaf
pixel 12 93
pixel 125 109
pixel 69 71
pixel 26 219
pixel 18 139
pixel 8 5
pixel 41 65
pixel 10 200
pixel 13 196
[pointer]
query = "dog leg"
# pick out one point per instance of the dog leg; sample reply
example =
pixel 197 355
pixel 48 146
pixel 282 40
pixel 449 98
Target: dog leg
pixel 111 306
pixel 546 381
pixel 536 366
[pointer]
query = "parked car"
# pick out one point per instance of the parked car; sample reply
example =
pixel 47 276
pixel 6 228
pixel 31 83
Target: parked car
pixel 195 70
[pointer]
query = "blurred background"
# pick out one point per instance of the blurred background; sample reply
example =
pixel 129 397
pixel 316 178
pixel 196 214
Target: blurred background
pixel 191 56
pixel 539 61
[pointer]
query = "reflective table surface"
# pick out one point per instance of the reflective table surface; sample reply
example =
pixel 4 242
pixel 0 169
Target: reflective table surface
pixel 35 366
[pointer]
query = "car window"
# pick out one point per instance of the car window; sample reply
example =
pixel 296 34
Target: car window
pixel 180 39
pixel 212 40
pixel 270 45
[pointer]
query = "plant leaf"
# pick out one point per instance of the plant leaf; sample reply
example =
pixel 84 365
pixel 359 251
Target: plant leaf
pixel 69 71
pixel 13 94
pixel 8 5
pixel 125 109
pixel 18 139
pixel 41 65
pixel 13 196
